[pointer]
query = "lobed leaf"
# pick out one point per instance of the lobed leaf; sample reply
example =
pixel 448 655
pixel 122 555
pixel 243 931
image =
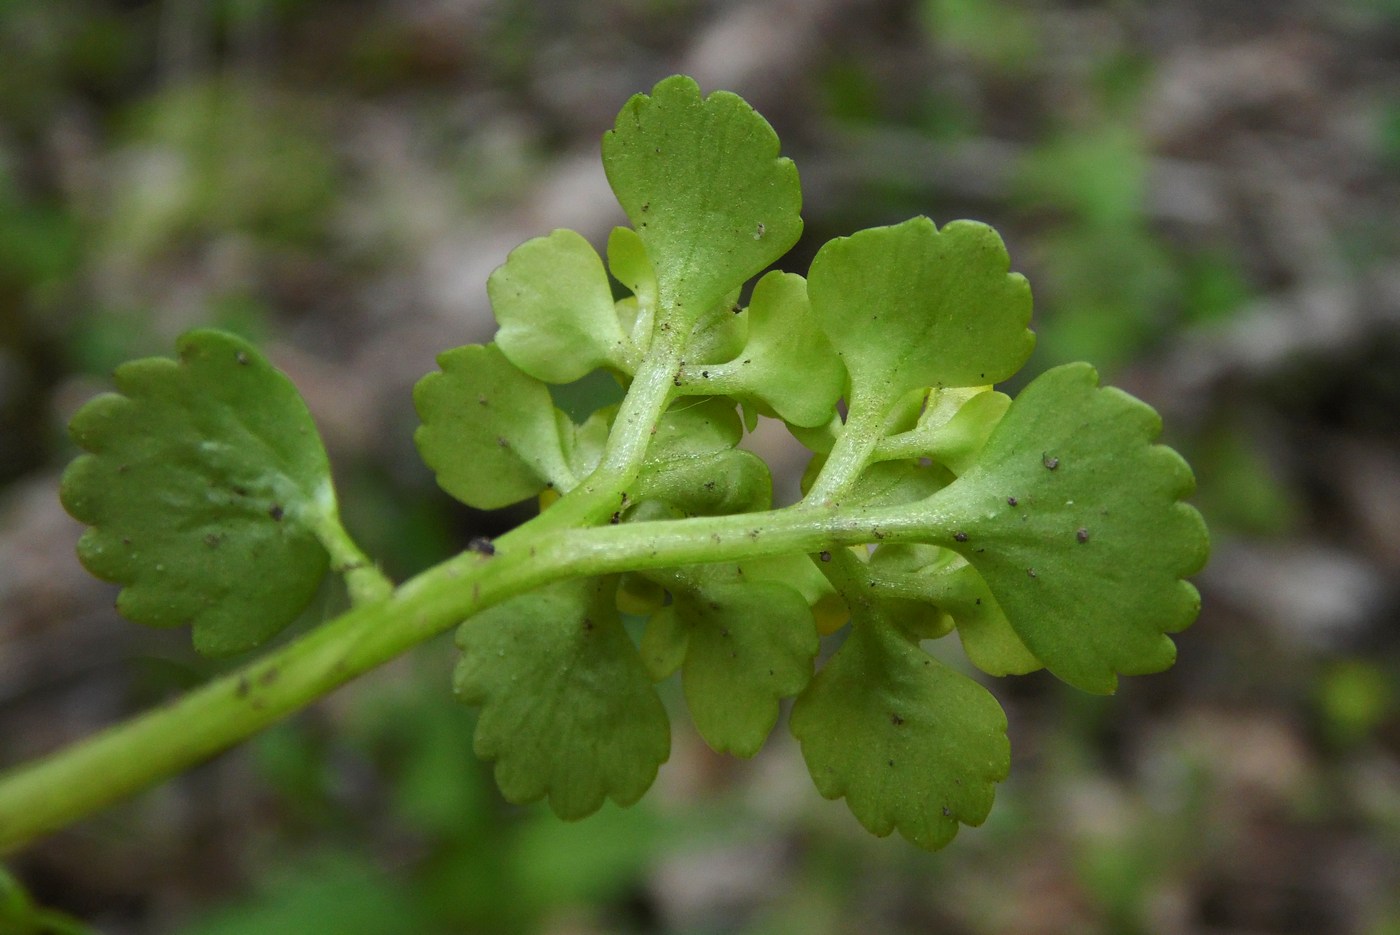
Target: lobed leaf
pixel 911 306
pixel 640 596
pixel 910 744
pixel 987 636
pixel 568 711
pixel 799 573
pixel 787 364
pixel 745 646
pixel 583 444
pixel 693 465
pixel 939 578
pixel 899 579
pixel 719 334
pixel 555 308
pixel 627 259
pixel 721 483
pixel 664 643
pixel 490 432
pixel 1073 518
pixel 701 180
pixel 695 428
pixel 888 483
pixel 205 484
pixel 952 429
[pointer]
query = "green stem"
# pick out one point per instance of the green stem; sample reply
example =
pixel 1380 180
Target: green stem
pixel 865 426
pixel 647 396
pixel 42 796
pixel 599 495
pixel 363 579
pixel 45 795
pixel 848 575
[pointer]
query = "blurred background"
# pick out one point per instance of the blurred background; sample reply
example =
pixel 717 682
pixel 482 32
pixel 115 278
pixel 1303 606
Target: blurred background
pixel 1204 195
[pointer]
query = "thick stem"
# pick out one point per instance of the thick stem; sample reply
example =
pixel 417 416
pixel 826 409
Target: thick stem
pixel 45 795
pixel 50 793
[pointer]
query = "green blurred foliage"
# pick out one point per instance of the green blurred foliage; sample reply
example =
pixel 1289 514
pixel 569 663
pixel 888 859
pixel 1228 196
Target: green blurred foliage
pixel 1355 697
pixel 1116 288
pixel 1241 491
pixel 1092 176
pixel 474 864
pixel 38 238
pixel 1110 279
pixel 998 34
pixel 333 891
pixel 1213 286
pixel 222 157
pixel 20 916
pixel 53 48
pixel 1386 9
pixel 850 93
pixel 1388 132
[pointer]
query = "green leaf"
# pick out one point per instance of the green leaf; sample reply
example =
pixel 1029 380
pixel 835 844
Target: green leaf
pixel 899 578
pixel 567 708
pixel 1073 518
pixel 692 463
pixel 747 645
pixel 911 407
pixel 956 442
pixel 725 482
pixel 555 307
pixel 583 444
pixel 939 578
pixel 787 363
pixel 799 573
pixel 719 334
pixel 910 744
pixel 820 439
pixel 627 258
pixel 639 596
pixel 489 432
pixel 694 428
pixel 206 485
pixel 664 643
pixel 701 180
pixel 890 482
pixel 952 428
pixel 987 637
pixel 910 306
